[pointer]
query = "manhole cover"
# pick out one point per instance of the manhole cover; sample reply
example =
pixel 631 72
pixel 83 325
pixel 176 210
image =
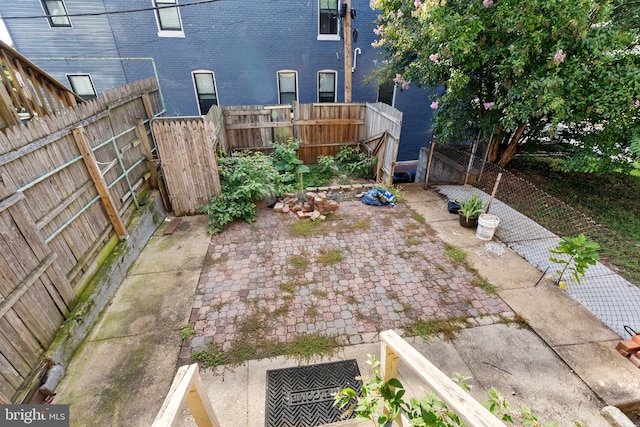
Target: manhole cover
pixel 303 396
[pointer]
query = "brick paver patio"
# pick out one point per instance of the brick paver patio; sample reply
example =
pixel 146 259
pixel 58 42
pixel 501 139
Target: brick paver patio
pixel 364 270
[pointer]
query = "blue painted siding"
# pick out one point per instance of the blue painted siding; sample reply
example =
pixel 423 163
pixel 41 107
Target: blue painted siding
pixel 89 36
pixel 243 43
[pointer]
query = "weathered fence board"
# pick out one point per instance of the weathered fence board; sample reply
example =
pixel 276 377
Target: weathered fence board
pixel 323 128
pixel 52 221
pixel 382 118
pixel 255 126
pixel 187 148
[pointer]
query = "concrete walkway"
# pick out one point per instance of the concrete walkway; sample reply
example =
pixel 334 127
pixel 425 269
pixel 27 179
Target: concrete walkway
pixel 565 369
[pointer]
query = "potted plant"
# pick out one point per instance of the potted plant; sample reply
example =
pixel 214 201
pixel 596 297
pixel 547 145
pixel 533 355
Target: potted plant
pixel 470 210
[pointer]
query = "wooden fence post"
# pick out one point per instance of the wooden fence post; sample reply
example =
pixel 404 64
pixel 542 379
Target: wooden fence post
pixel 147 106
pixel 141 131
pixel 101 185
pixel 428 171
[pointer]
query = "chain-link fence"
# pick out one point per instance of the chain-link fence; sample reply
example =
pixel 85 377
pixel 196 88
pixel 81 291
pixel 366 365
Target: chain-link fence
pixel 531 223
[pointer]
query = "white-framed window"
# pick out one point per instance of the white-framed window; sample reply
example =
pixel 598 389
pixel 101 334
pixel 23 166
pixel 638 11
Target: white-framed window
pixel 287 86
pixel 387 93
pixel 327 85
pixel 328 20
pixel 204 83
pixel 168 18
pixel 82 85
pixel 56 13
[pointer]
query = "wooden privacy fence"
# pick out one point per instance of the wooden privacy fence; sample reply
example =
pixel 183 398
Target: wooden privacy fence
pixel 187 145
pixel 69 182
pixel 187 148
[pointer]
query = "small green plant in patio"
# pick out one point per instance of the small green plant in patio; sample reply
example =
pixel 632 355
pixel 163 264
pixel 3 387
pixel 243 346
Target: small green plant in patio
pixel 304 228
pixel 332 256
pixel 308 346
pixel 456 254
pixel 299 262
pixel 244 178
pixel 187 332
pixel 582 253
pixel 383 401
pixel 427 329
pixel 285 157
pixel 211 356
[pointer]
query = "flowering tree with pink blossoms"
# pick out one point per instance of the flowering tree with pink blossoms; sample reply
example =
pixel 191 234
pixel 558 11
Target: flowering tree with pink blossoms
pixel 518 72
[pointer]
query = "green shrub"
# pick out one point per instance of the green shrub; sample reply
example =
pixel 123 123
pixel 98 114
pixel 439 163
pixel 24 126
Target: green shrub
pixel 348 161
pixel 244 178
pixel 292 169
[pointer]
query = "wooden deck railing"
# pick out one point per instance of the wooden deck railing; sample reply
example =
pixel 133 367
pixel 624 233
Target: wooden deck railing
pixel 26 86
pixel 187 387
pixel 393 348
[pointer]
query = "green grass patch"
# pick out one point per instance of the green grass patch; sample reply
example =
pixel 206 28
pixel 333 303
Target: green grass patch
pixel 319 293
pixel 484 284
pixel 291 287
pixel 299 262
pixel 428 329
pixel 419 218
pixel 306 347
pixel 518 320
pixel 305 228
pixel 362 224
pixel 317 176
pixel 456 254
pixel 329 257
pixel 187 332
pixel 211 356
pixel 412 241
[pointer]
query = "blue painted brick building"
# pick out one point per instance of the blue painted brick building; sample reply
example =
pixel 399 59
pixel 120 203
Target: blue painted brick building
pixel 224 52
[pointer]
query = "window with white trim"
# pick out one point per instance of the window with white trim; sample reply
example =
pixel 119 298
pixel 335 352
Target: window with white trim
pixel 56 13
pixel 82 85
pixel 328 21
pixel 204 83
pixel 327 84
pixel 387 93
pixel 287 86
pixel 168 18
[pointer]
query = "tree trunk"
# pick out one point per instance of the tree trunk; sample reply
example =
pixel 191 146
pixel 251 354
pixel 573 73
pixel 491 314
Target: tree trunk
pixel 504 147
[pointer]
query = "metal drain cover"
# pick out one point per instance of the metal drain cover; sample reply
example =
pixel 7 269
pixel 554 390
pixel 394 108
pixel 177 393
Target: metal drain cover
pixel 303 396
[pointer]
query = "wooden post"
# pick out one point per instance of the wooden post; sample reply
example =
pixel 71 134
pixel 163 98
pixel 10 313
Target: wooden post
pixel 388 364
pixel 101 185
pixel 426 175
pixel 347 52
pixel 462 403
pixel 473 155
pixel 141 131
pixel 493 193
pixel 7 109
pixel 187 387
pixel 147 106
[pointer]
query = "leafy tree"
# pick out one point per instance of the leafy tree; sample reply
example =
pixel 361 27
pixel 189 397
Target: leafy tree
pixel 522 72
